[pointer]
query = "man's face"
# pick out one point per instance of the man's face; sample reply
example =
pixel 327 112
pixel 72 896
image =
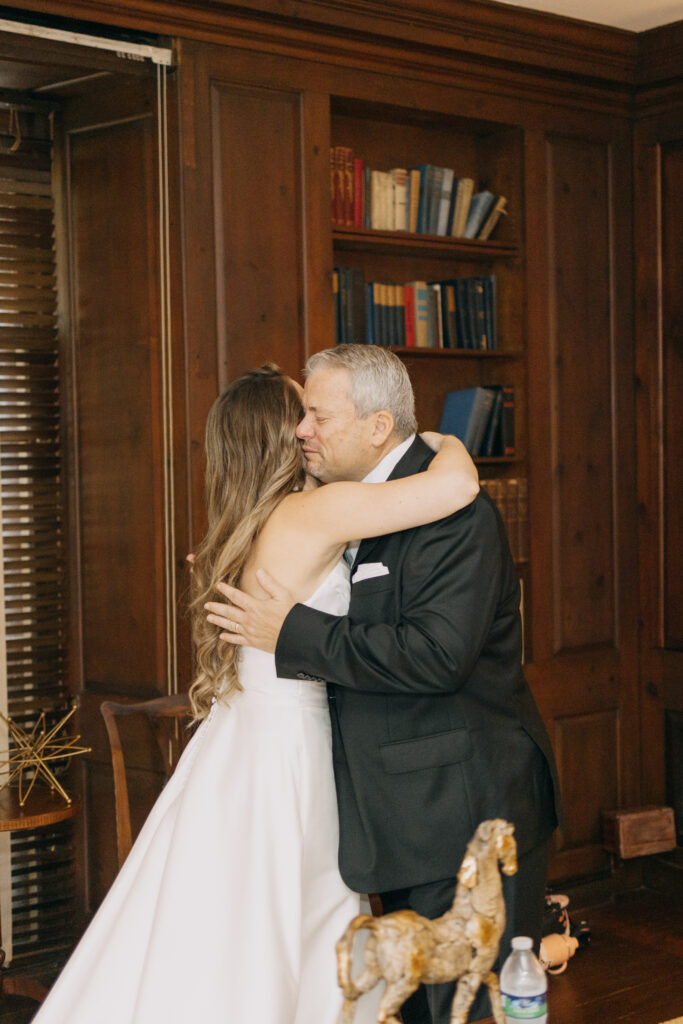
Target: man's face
pixel 335 442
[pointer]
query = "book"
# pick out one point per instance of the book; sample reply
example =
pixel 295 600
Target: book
pixel 463 195
pixel 367 197
pixel 490 295
pixel 398 181
pixel 465 414
pixel 426 175
pixel 450 327
pixel 414 205
pixel 333 186
pixel 348 186
pixel 507 422
pixel 400 315
pixel 409 314
pixel 358 189
pixel 480 206
pixel 420 305
pixel 434 200
pixel 437 302
pixel 494 216
pixel 476 287
pixel 491 434
pixel 337 307
pixel 370 314
pixel 445 202
pixel 462 317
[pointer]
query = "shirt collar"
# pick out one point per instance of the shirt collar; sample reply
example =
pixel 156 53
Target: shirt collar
pixel 385 467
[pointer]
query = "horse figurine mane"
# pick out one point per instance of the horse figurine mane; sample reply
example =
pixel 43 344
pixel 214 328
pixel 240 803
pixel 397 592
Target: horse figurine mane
pixel 406 949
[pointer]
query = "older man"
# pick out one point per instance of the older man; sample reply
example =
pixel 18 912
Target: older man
pixel 434 726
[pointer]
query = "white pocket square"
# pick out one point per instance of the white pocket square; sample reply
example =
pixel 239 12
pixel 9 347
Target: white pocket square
pixel 368 571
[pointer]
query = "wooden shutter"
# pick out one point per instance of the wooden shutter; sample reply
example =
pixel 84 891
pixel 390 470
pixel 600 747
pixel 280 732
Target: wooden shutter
pixel 35 582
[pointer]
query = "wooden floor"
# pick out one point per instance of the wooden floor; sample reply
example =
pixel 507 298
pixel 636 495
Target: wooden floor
pixel 632 971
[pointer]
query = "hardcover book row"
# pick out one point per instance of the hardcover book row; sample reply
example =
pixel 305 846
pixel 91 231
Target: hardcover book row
pixel 511 497
pixel 421 200
pixel 457 313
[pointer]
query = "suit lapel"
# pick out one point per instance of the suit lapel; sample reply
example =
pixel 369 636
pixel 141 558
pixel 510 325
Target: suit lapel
pixel 417 458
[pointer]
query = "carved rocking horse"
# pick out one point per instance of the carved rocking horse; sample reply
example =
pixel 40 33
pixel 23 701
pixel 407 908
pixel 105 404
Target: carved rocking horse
pixel 406 949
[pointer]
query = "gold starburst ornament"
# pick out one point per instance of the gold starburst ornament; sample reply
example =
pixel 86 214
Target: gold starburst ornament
pixel 31 754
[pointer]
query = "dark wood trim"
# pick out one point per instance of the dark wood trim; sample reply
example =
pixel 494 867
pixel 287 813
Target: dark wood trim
pixel 478 27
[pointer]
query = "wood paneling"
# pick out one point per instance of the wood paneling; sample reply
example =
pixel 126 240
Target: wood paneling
pixel 584 625
pixel 672 384
pixel 659 186
pixel 594 738
pixel 257 188
pixel 581 337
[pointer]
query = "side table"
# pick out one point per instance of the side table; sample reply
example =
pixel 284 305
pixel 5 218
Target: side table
pixel 43 808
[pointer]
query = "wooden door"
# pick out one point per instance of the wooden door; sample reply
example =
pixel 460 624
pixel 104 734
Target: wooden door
pixel 582 476
pixel 129 532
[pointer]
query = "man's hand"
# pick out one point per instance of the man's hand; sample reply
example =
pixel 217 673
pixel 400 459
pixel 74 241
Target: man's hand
pixel 252 621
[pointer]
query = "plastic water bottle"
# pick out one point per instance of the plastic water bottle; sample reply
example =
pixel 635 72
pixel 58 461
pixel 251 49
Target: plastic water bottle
pixel 523 985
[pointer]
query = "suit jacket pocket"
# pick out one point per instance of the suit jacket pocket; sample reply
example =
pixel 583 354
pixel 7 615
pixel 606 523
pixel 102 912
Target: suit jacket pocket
pixel 373 585
pixel 426 751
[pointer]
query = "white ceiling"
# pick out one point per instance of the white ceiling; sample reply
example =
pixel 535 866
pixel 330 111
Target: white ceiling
pixel 636 15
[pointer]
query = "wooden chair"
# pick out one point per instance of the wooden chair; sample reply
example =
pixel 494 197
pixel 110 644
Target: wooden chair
pixel 167 719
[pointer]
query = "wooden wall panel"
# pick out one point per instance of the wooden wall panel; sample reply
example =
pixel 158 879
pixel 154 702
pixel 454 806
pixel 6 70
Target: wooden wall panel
pixel 580 340
pixel 672 382
pixel 658 210
pixel 258 253
pixel 582 488
pixel 590 739
pixel 257 185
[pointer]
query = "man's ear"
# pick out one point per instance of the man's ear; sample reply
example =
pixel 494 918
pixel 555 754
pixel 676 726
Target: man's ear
pixel 382 428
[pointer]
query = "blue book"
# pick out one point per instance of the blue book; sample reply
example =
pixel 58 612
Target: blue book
pixel 426 172
pixel 481 205
pixel 466 414
pixel 492 433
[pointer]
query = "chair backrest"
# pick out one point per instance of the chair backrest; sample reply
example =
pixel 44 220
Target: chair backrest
pixel 168 719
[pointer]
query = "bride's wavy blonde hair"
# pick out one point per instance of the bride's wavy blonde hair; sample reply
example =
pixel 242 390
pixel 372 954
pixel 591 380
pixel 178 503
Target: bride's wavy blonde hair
pixel 253 461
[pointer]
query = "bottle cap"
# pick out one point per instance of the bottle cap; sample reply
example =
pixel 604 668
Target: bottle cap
pixel 522 942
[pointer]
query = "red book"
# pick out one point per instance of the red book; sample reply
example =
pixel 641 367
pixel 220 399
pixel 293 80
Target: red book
pixel 333 185
pixel 339 185
pixel 409 313
pixel 358 177
pixel 348 186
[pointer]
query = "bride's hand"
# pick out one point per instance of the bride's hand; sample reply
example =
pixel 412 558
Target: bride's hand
pixel 432 438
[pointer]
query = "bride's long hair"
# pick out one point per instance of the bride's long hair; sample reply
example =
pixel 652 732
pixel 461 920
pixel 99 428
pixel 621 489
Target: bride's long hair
pixel 253 461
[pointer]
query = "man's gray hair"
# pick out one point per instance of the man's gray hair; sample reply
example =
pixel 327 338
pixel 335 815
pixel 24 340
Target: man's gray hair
pixel 379 380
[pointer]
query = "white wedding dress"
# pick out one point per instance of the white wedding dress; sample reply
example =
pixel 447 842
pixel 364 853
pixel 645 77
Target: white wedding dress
pixel 229 905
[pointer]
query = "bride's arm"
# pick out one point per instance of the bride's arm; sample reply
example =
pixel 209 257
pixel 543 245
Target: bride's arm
pixel 347 511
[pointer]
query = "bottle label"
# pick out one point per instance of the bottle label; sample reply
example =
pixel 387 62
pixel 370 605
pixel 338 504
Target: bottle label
pixel 533 1008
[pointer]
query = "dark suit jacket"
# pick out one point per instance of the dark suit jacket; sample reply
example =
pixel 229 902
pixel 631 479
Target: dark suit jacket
pixel 434 725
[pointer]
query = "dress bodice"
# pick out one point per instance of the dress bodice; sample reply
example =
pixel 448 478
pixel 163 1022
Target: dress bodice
pixel 257 673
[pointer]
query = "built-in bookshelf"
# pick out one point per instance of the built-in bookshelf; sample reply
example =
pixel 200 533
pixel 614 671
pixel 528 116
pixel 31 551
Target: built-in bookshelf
pixel 385 263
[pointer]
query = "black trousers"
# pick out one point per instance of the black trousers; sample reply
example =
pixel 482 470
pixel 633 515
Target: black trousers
pixel 524 901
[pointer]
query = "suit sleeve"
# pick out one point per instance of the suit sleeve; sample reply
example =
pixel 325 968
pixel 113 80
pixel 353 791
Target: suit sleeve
pixel 451 588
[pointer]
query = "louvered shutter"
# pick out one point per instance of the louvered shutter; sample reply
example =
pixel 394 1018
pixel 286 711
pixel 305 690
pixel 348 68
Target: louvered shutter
pixel 35 582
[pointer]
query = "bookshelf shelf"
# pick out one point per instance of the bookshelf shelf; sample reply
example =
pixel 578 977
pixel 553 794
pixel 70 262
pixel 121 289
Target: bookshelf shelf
pixel 397 242
pixel 454 353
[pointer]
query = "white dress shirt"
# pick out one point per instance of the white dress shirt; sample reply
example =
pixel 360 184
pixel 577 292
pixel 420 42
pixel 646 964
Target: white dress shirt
pixel 379 475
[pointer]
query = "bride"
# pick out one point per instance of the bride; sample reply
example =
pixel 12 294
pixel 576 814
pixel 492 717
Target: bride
pixel 229 905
